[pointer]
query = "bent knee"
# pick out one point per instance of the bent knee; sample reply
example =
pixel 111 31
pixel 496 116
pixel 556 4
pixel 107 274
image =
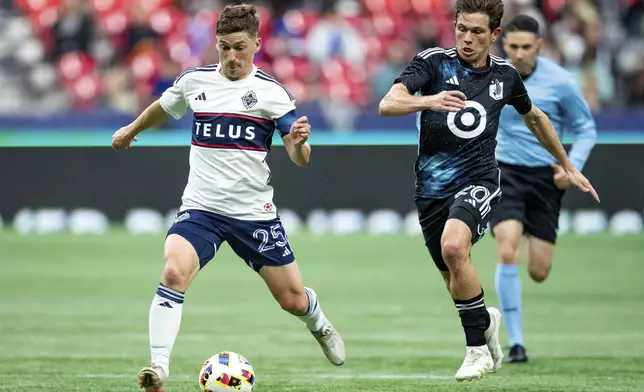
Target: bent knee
pixel 175 277
pixel 539 274
pixel 508 253
pixel 454 251
pixel 294 301
pixel 178 271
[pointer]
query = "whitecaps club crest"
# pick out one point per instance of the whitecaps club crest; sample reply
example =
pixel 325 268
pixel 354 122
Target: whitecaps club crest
pixel 249 99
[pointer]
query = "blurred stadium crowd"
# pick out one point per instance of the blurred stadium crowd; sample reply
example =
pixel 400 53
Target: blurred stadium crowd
pixel 119 55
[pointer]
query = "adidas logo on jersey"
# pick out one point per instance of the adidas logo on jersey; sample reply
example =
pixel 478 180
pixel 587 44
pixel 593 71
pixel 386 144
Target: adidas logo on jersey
pixel 201 97
pixel 453 80
pixel 287 252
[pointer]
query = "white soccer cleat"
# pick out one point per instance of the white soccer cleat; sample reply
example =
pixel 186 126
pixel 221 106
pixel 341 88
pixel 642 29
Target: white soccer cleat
pixel 477 363
pixel 331 343
pixel 152 378
pixel 492 338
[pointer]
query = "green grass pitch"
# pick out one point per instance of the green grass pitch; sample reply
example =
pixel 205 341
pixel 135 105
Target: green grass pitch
pixel 74 315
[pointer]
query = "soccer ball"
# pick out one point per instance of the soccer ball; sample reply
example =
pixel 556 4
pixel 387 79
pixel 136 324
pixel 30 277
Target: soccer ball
pixel 227 371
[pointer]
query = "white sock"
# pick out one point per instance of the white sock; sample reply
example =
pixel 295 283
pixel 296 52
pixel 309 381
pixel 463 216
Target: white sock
pixel 314 318
pixel 165 319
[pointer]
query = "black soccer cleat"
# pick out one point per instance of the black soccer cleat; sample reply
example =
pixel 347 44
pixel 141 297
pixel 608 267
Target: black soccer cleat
pixel 517 355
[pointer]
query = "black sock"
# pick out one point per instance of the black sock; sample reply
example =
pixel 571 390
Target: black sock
pixel 474 318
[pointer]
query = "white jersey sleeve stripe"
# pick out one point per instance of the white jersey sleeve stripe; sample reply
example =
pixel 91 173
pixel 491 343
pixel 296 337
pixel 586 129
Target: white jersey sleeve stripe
pixel 264 76
pixel 209 68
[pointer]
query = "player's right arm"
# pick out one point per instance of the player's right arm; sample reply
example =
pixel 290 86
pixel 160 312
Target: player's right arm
pixel 172 103
pixel 542 128
pixel 402 99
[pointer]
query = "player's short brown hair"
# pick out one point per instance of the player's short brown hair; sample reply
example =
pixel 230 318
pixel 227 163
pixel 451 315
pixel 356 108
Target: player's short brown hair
pixel 492 8
pixel 237 18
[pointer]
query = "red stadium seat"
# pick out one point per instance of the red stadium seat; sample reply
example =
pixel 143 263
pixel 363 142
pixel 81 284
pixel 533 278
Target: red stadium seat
pixel 153 5
pixel 375 7
pixel 84 91
pixel 43 20
pixel 430 7
pixel 399 7
pixel 31 6
pixel 166 21
pixel 146 65
pixel 113 22
pixel 72 66
pixel 178 48
pixel 299 22
pixel 284 68
pixel 297 90
pixel 107 6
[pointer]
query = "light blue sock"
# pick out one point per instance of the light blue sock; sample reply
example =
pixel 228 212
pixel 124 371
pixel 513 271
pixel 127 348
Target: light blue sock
pixel 508 291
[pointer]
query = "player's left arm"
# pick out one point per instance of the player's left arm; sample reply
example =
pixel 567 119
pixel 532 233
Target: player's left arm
pixel 579 118
pixel 542 128
pixel 294 131
pixel 296 141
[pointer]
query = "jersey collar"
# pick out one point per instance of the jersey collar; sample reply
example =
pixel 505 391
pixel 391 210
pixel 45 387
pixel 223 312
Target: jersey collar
pixel 250 76
pixel 467 65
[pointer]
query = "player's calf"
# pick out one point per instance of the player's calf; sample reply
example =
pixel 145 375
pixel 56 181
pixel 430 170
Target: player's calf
pixel 181 265
pixel 323 331
pixel 540 254
pixel 285 283
pixel 465 288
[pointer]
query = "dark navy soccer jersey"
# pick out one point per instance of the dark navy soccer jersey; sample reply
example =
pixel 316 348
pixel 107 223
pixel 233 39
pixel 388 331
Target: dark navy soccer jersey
pixel 456 148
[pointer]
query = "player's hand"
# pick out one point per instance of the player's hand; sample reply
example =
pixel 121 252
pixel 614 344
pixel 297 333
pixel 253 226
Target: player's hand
pixel 300 131
pixel 122 139
pixel 560 177
pixel 447 101
pixel 577 179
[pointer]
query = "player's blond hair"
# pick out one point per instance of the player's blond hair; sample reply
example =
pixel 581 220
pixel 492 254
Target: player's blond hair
pixel 237 18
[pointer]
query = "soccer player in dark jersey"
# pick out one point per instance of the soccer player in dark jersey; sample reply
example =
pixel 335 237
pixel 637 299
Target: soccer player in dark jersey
pixel 458 95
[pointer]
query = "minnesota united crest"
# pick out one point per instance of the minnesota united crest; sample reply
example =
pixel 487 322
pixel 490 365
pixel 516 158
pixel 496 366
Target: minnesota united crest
pixel 249 99
pixel 496 90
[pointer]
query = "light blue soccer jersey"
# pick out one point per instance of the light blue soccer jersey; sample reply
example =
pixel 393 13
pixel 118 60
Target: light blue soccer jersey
pixel 553 90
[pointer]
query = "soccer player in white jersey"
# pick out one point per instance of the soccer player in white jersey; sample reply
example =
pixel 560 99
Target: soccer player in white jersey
pixel 228 198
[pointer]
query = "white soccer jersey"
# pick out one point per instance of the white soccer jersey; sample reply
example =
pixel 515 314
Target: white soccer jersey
pixel 232 130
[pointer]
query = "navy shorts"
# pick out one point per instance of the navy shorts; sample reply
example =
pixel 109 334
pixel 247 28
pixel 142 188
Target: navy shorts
pixel 258 243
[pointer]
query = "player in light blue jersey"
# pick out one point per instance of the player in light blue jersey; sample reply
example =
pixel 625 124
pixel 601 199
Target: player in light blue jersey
pixel 532 182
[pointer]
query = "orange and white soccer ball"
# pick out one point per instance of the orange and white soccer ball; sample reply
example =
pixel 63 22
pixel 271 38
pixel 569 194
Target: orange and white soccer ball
pixel 227 371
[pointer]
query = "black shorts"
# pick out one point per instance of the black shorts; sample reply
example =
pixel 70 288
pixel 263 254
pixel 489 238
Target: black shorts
pixel 472 205
pixel 531 197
